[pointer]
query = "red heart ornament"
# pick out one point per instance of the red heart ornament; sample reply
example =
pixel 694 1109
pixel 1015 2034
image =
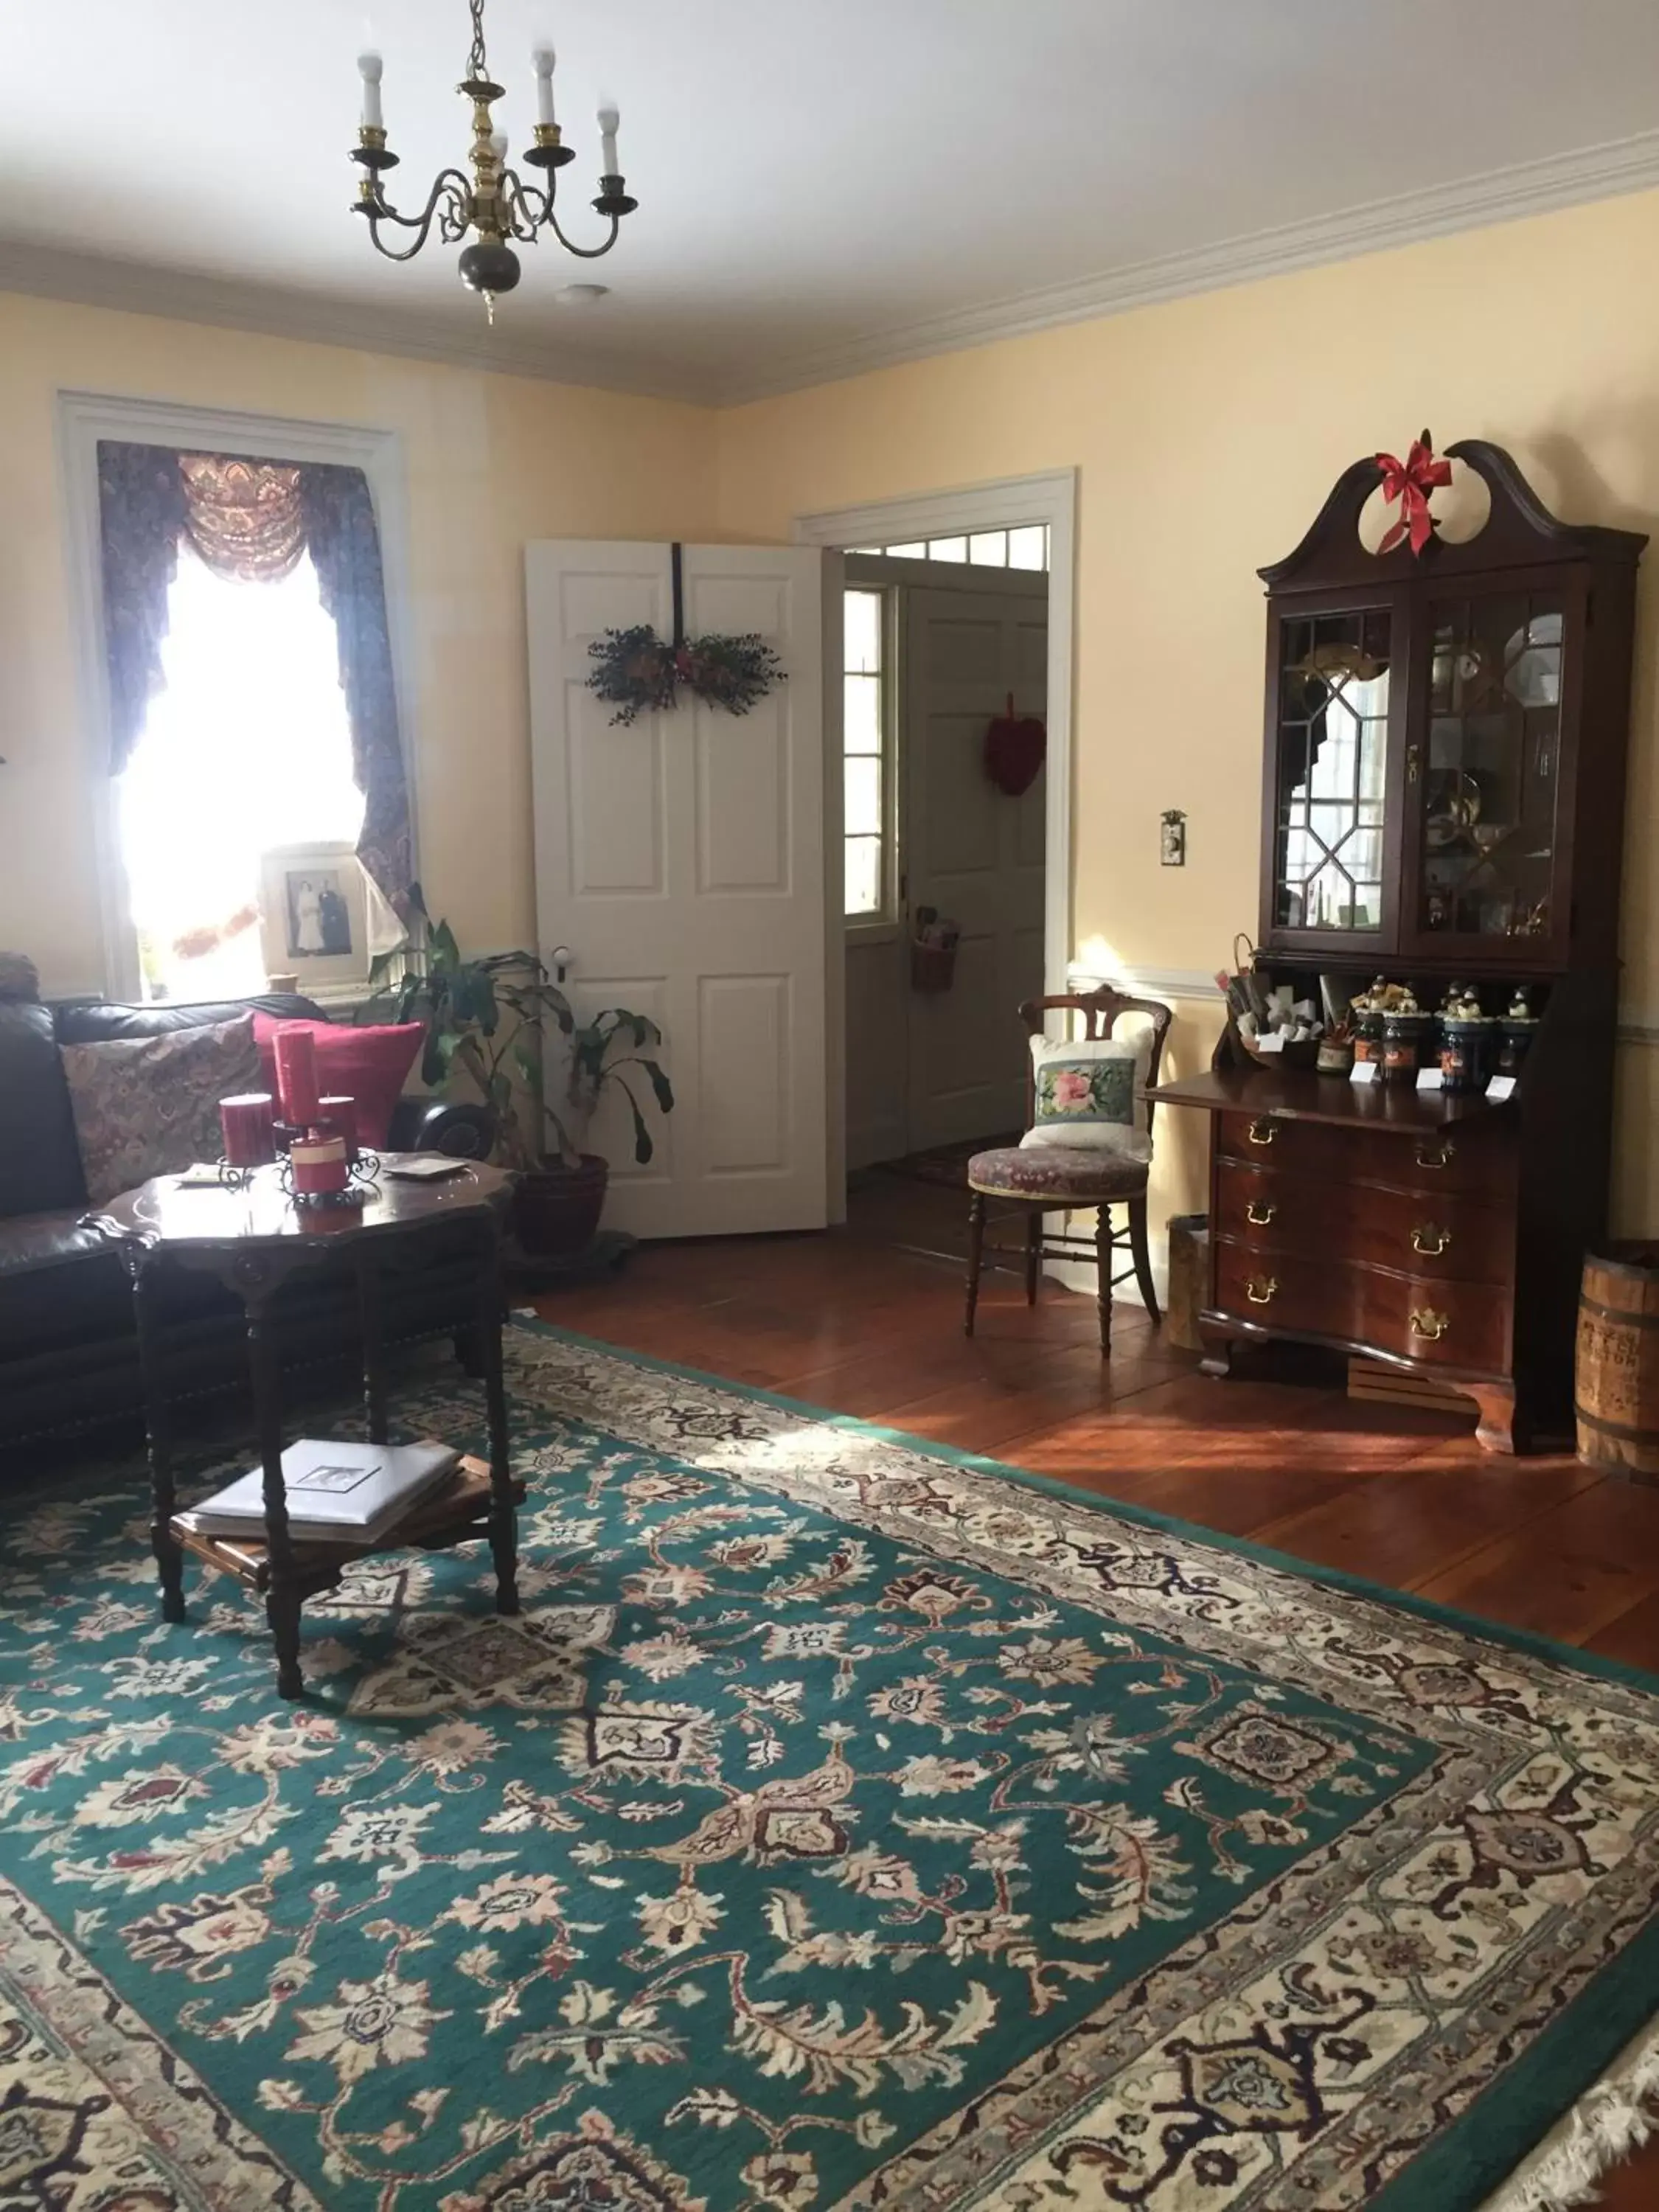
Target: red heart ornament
pixel 1014 749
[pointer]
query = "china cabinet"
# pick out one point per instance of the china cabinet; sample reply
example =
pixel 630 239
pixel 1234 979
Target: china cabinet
pixel 1442 802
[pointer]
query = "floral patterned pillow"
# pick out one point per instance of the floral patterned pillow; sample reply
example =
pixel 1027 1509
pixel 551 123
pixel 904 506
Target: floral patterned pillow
pixel 1086 1095
pixel 150 1106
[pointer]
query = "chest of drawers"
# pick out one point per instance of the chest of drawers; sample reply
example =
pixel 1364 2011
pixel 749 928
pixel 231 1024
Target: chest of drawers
pixel 1379 1222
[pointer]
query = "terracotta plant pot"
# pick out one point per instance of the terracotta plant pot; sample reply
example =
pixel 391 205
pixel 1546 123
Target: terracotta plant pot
pixel 556 1209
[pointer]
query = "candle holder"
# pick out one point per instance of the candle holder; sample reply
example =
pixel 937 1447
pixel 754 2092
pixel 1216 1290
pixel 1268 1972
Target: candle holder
pixel 312 1191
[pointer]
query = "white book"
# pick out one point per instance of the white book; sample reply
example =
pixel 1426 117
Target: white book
pixel 336 1492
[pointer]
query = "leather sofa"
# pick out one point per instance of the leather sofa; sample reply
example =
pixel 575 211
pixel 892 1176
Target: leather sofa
pixel 68 1353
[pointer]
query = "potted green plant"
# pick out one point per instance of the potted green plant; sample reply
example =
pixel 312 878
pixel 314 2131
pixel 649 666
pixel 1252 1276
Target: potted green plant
pixel 486 1028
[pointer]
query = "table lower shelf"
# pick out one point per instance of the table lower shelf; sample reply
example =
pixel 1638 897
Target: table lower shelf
pixel 455 1513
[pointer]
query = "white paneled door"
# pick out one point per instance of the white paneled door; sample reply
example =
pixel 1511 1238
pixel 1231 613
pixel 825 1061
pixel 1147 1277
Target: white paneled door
pixel 682 860
pixel 972 852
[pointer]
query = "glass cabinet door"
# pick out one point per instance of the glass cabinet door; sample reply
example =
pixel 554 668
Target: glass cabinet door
pixel 1483 771
pixel 1331 755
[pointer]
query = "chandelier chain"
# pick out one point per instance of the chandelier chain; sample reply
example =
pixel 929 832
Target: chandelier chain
pixel 477 65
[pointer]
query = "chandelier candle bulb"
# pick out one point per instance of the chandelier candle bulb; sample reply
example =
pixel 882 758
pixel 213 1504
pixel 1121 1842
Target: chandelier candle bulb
pixel 542 62
pixel 609 164
pixel 368 67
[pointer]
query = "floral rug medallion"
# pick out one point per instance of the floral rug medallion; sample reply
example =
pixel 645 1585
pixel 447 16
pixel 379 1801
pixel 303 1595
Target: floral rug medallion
pixel 842 1824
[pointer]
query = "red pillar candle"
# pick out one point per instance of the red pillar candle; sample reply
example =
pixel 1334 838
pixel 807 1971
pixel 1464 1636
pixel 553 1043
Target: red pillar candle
pixel 245 1122
pixel 295 1050
pixel 319 1162
pixel 339 1117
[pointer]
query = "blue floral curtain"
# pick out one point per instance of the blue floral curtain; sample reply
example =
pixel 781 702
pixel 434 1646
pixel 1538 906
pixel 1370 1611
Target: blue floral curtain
pixel 250 519
pixel 141 518
pixel 345 545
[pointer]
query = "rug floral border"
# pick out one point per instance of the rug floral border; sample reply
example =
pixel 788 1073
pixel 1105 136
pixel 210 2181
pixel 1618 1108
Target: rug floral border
pixel 1532 2052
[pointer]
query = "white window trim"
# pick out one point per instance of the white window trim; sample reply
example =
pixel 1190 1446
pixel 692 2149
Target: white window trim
pixel 84 418
pixel 882 927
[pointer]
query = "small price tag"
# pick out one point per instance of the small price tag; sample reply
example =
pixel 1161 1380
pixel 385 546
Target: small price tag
pixel 1500 1088
pixel 1363 1071
pixel 1430 1079
pixel 1271 1040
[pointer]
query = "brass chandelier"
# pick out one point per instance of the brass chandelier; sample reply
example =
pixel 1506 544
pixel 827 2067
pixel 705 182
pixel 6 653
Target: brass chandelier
pixel 496 202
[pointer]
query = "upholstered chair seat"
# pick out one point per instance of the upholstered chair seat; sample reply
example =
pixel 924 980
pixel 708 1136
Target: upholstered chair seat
pixel 1068 1178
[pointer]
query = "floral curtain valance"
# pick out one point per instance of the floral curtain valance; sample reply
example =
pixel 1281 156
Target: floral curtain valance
pixel 243 518
pixel 252 521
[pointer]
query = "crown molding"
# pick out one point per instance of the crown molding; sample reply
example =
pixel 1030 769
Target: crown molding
pixel 1505 195
pixel 135 287
pixel 1557 180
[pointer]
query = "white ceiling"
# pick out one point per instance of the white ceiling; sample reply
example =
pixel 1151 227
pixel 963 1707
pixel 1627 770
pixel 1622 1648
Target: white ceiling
pixel 824 184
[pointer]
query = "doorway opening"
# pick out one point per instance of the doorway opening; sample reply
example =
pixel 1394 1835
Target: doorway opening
pixel 956 615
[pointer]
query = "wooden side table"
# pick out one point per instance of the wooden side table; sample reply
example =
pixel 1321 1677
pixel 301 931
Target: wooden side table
pixel 252 1240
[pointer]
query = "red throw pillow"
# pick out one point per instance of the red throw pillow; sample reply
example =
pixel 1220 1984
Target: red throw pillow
pixel 367 1064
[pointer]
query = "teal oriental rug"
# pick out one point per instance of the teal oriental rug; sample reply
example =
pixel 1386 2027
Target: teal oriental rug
pixel 845 1823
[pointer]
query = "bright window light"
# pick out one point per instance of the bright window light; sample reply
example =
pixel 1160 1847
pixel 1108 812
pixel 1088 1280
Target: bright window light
pixel 864 749
pixel 247 747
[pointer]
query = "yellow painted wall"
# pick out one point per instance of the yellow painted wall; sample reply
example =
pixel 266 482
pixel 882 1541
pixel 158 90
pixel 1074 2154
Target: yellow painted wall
pixel 490 461
pixel 1207 432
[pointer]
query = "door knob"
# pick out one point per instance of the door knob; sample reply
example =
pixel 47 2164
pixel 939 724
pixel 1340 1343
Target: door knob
pixel 560 960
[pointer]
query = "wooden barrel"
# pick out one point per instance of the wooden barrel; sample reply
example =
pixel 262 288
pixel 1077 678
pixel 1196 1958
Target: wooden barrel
pixel 1616 1389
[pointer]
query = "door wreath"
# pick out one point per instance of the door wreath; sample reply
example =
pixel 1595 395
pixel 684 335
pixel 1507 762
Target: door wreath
pixel 635 670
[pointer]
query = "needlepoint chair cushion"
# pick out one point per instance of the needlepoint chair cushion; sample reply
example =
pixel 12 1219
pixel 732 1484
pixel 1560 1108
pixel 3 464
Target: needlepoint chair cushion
pixel 1079 1177
pixel 1085 1095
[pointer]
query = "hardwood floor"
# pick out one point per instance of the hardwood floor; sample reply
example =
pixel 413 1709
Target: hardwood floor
pixel 867 1320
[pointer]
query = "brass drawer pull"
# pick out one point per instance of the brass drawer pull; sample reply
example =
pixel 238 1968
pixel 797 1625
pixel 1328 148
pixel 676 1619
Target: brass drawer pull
pixel 1430 1241
pixel 1426 1322
pixel 1260 1290
pixel 1262 1133
pixel 1259 1211
pixel 1434 1156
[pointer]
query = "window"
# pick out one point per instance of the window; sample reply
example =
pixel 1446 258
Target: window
pixel 1023 547
pixel 864 749
pixel 246 750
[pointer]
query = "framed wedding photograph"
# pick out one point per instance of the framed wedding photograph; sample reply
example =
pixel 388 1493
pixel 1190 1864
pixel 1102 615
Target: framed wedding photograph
pixel 314 917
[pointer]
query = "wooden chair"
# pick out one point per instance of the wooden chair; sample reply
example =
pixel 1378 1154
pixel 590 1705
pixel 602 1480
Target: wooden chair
pixel 1054 1179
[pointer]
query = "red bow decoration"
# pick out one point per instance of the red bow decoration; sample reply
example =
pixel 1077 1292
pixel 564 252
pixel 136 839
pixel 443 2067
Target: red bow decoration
pixel 1410 481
